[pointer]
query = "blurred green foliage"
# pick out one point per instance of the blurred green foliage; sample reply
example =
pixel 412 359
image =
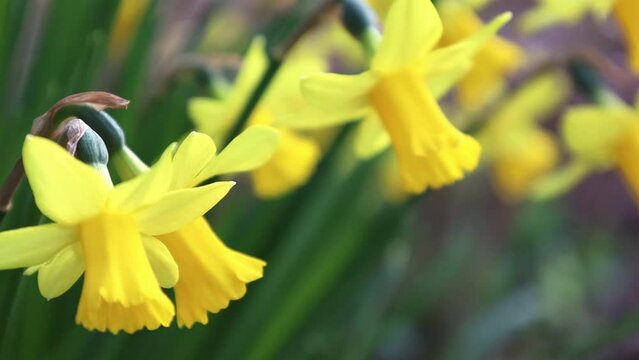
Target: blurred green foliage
pixel 454 274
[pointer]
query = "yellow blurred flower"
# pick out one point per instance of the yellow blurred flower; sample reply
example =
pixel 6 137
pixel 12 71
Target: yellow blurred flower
pixel 297 155
pixel 395 101
pixel 600 138
pixel 127 21
pixel 106 232
pixel 496 59
pixel 606 138
pixel 518 149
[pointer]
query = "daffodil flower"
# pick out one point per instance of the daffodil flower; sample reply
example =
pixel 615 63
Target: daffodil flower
pixel 297 155
pixel 517 148
pixel 397 97
pixel 496 59
pixel 211 274
pixel 106 232
pixel 605 138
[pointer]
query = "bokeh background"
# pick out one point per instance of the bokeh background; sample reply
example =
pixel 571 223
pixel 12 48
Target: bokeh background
pixel 457 273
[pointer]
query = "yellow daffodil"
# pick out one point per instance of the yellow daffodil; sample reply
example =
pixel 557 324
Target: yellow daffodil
pixel 297 155
pixel 106 232
pixel 211 274
pixel 606 138
pixel 518 149
pixel 496 59
pixel 397 97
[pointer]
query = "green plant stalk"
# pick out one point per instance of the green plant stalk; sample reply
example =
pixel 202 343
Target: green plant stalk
pixel 313 280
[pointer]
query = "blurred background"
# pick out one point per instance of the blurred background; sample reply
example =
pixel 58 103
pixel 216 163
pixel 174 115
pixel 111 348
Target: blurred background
pixel 353 273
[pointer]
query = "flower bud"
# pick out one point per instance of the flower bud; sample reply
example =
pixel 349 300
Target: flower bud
pixel 357 17
pixel 101 122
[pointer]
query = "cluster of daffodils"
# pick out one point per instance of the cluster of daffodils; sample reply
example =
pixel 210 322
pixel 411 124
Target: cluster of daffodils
pixel 137 237
pixel 147 233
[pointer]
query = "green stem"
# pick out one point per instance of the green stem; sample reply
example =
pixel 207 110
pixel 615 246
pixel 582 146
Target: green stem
pixel 625 327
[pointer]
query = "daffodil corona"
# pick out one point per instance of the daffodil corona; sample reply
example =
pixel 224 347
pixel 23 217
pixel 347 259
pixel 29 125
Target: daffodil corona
pixel 397 97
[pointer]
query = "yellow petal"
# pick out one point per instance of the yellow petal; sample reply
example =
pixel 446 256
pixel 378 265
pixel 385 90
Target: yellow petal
pixel 441 83
pixel 291 166
pixel 33 245
pixel 191 157
pixel 57 275
pixel 558 182
pixel 551 12
pixel 626 13
pixel 456 58
pixel 334 99
pixel 253 67
pixel 143 189
pixel 212 117
pixel 211 275
pixel 371 138
pixel 592 132
pixel 125 26
pixel 532 98
pixel 120 291
pixel 249 150
pixel 545 16
pixel 411 29
pixel 65 189
pixel 164 267
pixel 179 207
